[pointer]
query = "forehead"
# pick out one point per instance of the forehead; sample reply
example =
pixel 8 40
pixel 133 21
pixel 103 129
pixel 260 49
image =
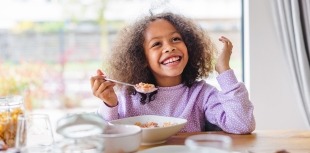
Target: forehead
pixel 158 28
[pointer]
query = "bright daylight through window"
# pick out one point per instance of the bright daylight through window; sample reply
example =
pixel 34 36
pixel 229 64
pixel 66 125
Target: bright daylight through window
pixel 49 49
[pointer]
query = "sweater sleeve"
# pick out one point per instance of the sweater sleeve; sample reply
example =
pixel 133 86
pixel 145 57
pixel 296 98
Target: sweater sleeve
pixel 230 108
pixel 108 113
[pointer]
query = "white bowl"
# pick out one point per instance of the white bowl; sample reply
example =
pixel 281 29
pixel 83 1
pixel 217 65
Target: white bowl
pixel 121 138
pixel 155 135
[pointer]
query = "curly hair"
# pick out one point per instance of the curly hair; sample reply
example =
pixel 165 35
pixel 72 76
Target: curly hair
pixel 128 62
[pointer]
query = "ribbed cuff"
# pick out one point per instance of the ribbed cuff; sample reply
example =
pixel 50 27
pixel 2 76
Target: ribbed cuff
pixel 108 113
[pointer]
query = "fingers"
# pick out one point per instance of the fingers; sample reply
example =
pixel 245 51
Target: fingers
pixel 99 72
pixel 222 63
pixel 103 89
pixel 100 86
pixel 98 81
pixel 95 78
pixel 225 40
pixel 100 76
pixel 227 43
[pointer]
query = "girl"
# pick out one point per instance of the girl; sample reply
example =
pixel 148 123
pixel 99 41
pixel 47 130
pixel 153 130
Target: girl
pixel 171 52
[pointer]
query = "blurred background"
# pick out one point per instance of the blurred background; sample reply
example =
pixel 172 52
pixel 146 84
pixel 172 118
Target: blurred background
pixel 49 49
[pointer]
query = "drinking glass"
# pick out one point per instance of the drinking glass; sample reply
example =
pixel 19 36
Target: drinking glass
pixel 209 143
pixel 34 133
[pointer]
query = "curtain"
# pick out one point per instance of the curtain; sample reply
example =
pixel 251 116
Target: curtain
pixel 292 20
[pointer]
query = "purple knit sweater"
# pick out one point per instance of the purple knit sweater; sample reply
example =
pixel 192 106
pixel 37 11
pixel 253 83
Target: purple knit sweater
pixel 230 109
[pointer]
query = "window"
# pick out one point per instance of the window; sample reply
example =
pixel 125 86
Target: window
pixel 49 49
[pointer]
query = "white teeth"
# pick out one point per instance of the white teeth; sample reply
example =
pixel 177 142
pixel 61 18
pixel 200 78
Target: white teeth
pixel 170 60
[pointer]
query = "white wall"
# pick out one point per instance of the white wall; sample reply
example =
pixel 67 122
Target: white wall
pixel 267 76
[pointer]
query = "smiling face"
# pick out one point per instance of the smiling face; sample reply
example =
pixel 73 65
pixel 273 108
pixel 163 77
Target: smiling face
pixel 166 52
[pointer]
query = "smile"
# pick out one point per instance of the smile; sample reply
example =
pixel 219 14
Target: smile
pixel 171 60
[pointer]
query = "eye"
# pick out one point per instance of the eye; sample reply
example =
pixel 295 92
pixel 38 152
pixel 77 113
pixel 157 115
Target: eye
pixel 155 44
pixel 176 39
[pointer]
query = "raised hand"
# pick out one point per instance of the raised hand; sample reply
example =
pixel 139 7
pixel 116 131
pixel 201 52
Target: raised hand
pixel 103 89
pixel 222 63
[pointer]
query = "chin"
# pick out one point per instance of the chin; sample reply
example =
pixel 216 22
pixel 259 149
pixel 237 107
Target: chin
pixel 176 74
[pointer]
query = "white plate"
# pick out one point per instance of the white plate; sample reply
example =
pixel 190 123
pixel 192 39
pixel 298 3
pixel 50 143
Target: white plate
pixel 181 149
pixel 168 149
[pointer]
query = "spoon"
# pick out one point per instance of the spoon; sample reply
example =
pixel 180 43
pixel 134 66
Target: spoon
pixel 137 88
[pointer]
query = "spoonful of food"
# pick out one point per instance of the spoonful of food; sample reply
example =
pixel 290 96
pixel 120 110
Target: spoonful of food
pixel 140 87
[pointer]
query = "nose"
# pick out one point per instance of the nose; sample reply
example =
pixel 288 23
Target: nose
pixel 169 49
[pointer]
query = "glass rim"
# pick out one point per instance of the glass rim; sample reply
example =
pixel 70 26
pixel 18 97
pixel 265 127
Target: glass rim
pixel 12 100
pixel 32 115
pixel 69 125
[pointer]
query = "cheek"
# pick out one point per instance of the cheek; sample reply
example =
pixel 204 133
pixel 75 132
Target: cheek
pixel 152 59
pixel 185 54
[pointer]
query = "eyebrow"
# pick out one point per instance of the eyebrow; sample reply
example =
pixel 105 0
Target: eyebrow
pixel 171 33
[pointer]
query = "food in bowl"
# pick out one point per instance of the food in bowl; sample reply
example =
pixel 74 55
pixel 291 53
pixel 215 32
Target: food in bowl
pixel 153 124
pixel 158 134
